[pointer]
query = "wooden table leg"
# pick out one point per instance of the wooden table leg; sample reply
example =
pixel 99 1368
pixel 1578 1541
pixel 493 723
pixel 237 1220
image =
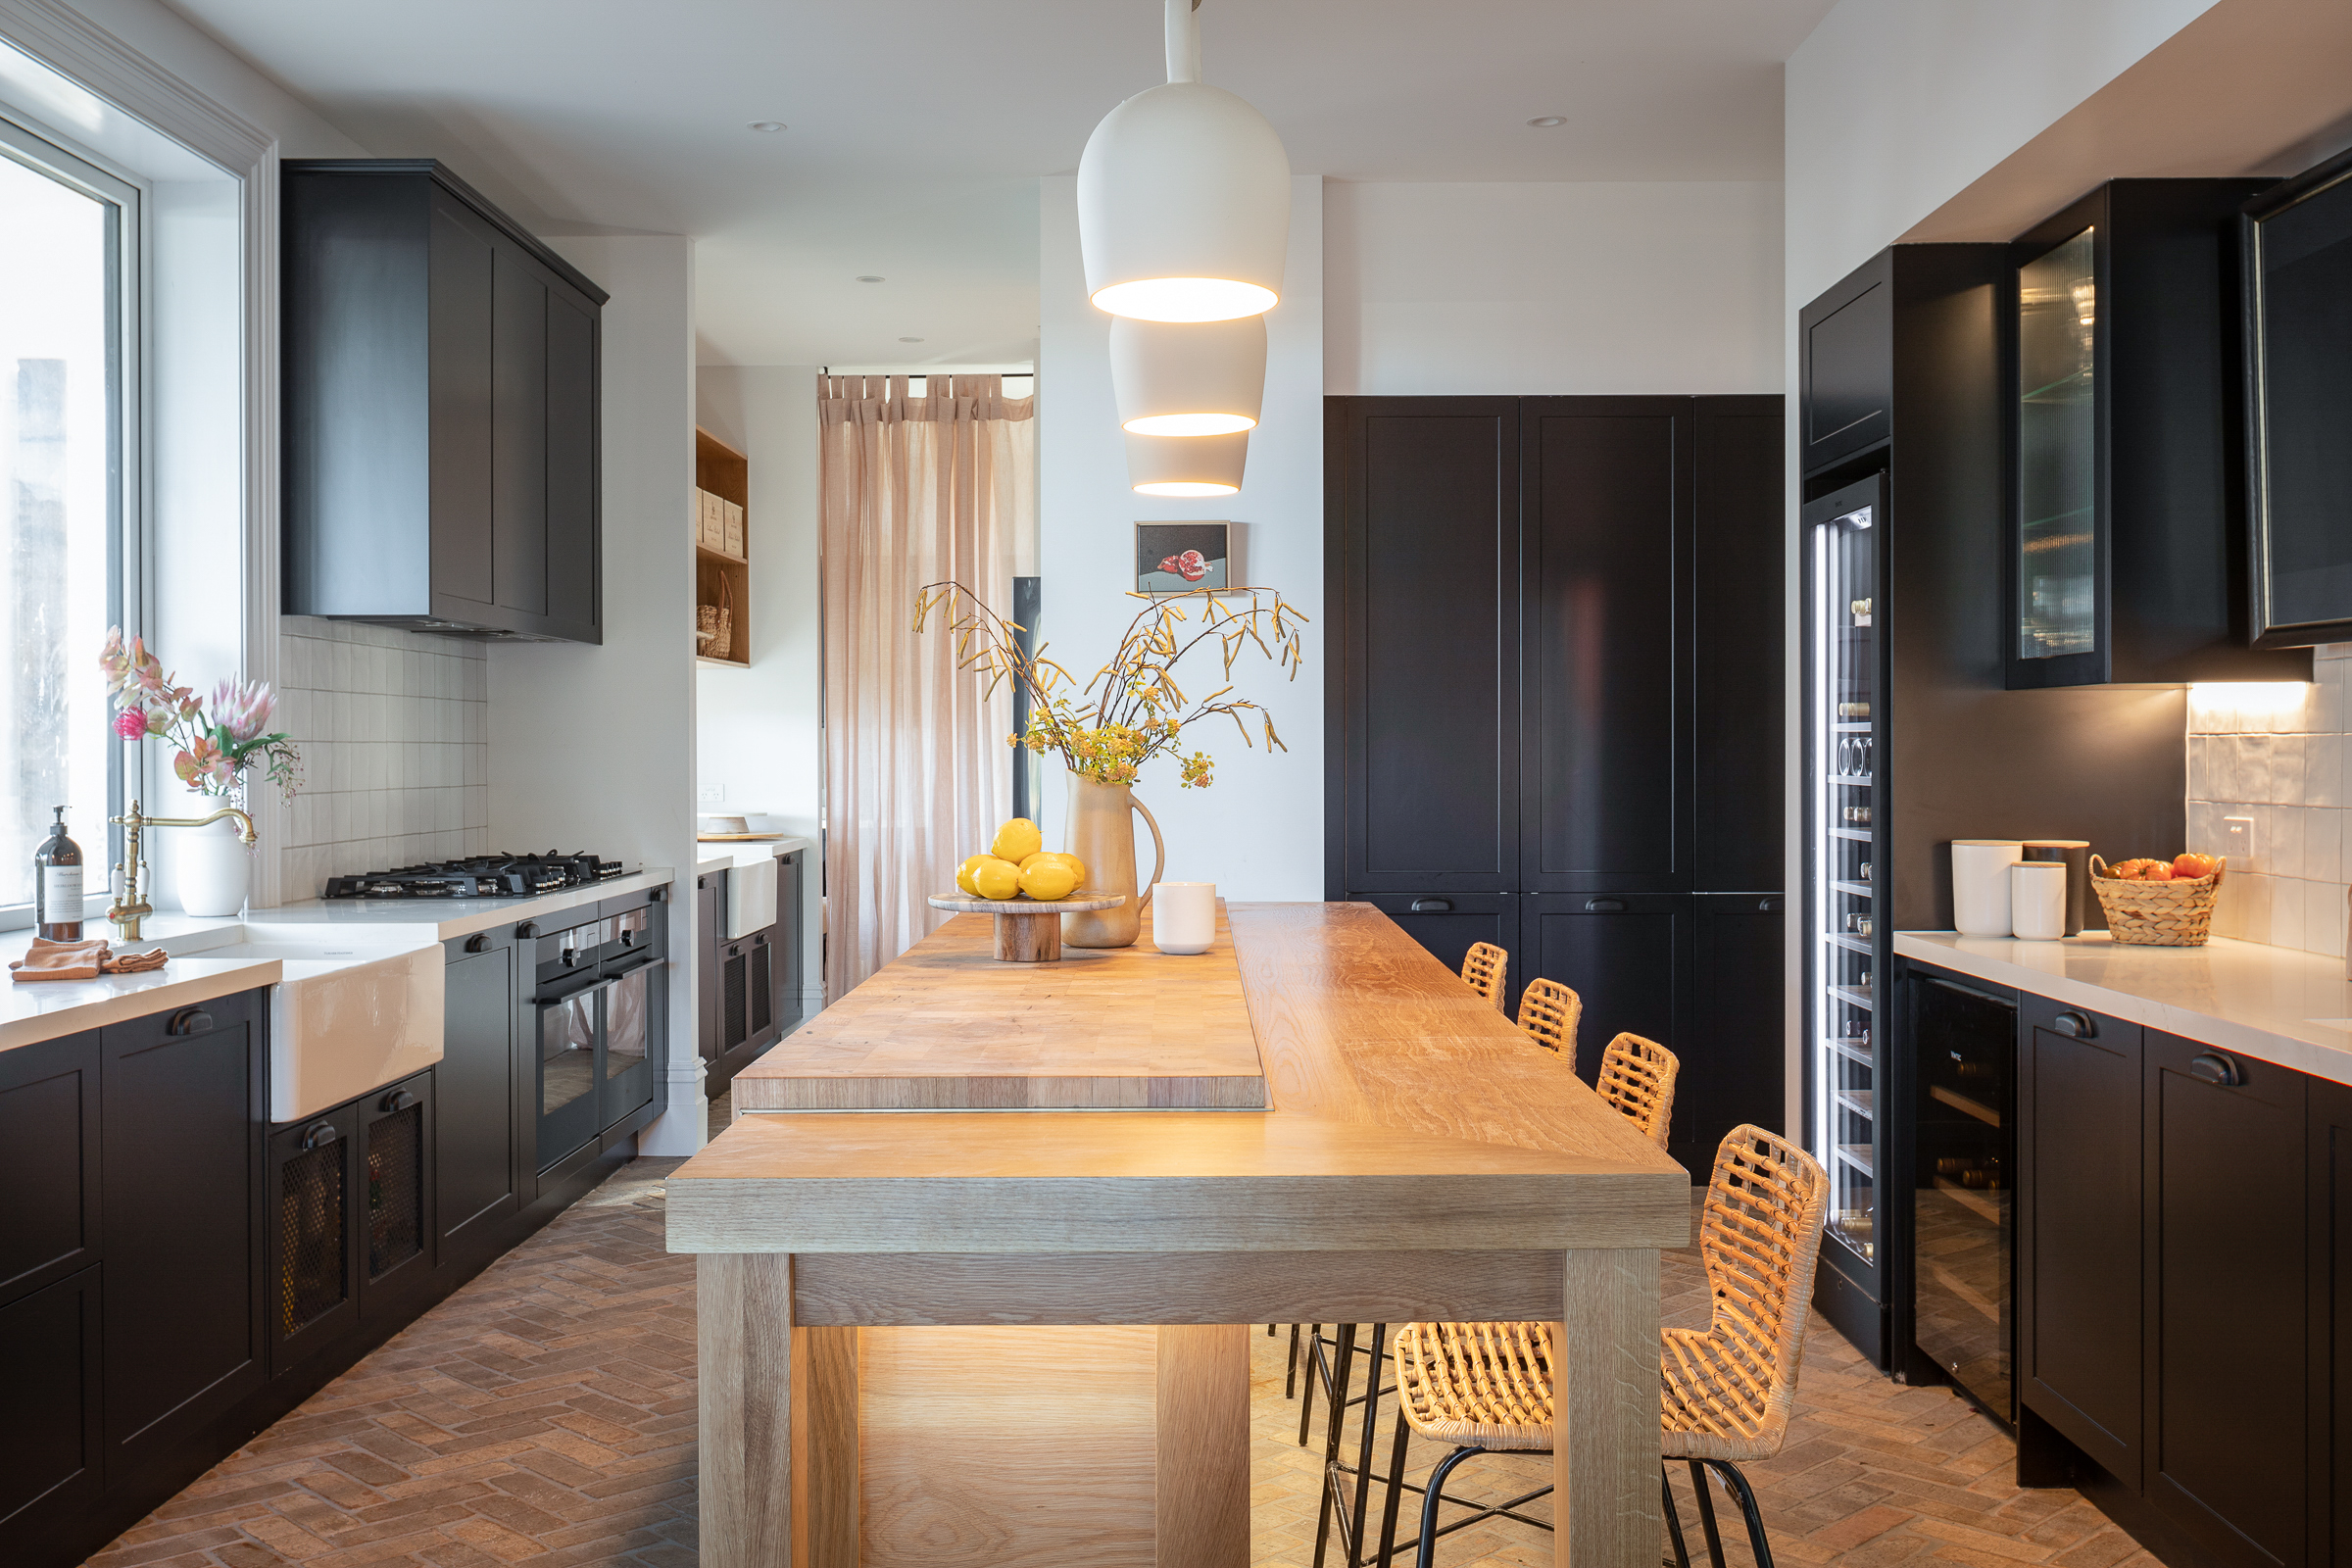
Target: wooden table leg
pixel 1605 1451
pixel 743 1307
pixel 1201 1482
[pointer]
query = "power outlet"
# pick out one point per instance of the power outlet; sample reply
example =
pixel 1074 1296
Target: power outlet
pixel 2238 840
pixel 714 793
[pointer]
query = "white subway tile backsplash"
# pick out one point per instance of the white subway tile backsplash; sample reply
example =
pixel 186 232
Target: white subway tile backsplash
pixel 2279 759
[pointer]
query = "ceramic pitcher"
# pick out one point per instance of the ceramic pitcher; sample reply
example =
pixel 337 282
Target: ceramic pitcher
pixel 1102 833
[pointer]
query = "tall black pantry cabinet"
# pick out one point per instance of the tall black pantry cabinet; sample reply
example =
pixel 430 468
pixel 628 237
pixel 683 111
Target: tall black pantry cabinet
pixel 1555 710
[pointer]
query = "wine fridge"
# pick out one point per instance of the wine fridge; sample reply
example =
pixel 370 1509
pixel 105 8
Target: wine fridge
pixel 1846 945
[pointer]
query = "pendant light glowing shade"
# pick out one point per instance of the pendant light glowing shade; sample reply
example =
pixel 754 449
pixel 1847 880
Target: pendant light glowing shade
pixel 1185 466
pixel 1183 198
pixel 1188 378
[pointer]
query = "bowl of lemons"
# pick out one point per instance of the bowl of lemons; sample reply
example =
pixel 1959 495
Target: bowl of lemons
pixel 1027 888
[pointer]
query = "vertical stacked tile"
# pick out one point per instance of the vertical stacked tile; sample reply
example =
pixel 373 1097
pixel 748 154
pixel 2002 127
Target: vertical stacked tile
pixel 2276 755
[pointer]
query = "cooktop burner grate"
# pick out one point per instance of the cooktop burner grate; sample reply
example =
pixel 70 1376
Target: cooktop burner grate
pixel 480 876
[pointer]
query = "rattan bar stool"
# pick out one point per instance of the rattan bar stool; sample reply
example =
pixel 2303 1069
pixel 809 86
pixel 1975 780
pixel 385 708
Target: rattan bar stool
pixel 1726 1392
pixel 1549 1013
pixel 1483 969
pixel 1637 1077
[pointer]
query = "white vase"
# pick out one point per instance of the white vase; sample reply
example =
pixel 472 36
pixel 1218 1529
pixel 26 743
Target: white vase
pixel 210 864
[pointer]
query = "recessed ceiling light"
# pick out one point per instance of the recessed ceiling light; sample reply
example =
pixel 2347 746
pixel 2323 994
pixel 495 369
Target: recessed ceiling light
pixel 1546 122
pixel 867 278
pixel 768 124
pixel 911 340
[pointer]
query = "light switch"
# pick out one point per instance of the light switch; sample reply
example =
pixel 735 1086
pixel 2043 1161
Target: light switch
pixel 2238 840
pixel 714 793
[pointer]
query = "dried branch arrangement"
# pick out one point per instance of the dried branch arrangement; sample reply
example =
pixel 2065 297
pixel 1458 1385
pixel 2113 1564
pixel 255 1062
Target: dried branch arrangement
pixel 1132 709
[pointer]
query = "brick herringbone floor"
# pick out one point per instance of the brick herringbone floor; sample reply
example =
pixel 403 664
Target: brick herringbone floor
pixel 545 1415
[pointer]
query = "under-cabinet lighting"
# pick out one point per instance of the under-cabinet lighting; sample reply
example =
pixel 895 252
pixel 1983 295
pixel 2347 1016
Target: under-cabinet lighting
pixel 2222 705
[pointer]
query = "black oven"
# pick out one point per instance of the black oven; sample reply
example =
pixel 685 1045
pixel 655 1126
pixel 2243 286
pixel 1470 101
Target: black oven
pixel 599 989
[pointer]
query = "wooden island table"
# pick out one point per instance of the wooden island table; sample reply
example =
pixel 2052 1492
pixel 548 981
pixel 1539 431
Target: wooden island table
pixel 978 1256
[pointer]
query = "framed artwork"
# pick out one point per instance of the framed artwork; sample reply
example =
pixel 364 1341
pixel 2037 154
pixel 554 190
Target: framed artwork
pixel 1176 558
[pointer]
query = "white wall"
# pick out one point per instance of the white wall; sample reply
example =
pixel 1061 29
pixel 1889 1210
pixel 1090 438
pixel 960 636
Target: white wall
pixel 180 47
pixel 758 730
pixel 1551 289
pixel 1258 832
pixel 592 748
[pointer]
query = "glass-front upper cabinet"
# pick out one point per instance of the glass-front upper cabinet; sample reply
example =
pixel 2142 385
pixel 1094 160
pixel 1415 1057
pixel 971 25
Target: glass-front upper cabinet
pixel 2127 550
pixel 2058 613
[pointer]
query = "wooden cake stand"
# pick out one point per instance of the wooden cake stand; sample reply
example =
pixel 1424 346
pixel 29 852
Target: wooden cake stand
pixel 1028 930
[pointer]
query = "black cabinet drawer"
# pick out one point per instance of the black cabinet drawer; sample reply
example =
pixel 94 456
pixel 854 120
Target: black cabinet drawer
pixel 1625 955
pixel 48 1161
pixel 51 1454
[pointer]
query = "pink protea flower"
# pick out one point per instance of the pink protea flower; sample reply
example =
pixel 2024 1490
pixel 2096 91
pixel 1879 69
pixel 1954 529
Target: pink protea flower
pixel 243 708
pixel 130 724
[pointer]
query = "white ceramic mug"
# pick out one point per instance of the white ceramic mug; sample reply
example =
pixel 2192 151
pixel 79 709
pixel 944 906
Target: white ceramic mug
pixel 1980 885
pixel 2038 900
pixel 1184 916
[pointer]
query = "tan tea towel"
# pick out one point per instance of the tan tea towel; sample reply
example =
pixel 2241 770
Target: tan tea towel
pixel 81 961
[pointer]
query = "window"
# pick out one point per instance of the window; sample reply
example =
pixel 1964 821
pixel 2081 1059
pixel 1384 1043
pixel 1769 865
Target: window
pixel 68 251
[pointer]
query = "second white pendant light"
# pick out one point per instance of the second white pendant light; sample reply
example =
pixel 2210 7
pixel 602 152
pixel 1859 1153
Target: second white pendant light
pixel 1183 198
pixel 1185 466
pixel 1188 379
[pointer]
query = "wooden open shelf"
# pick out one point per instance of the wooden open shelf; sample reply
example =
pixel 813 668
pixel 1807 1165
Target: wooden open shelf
pixel 718 578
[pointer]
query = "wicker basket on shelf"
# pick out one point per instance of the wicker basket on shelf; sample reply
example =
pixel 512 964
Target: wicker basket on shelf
pixel 2158 915
pixel 715 624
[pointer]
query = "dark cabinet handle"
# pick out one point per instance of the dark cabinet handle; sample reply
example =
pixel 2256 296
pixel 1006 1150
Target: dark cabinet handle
pixel 527 930
pixel 1768 906
pixel 2074 1025
pixel 319 1135
pixel 190 1022
pixel 1432 906
pixel 479 942
pixel 397 1100
pixel 1604 905
pixel 2216 1068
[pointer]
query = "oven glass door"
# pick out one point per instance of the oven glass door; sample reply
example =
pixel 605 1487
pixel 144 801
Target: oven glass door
pixel 568 1072
pixel 628 1073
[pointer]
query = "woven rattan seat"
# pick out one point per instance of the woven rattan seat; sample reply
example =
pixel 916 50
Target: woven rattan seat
pixel 1726 1392
pixel 1483 969
pixel 1549 1012
pixel 1638 1076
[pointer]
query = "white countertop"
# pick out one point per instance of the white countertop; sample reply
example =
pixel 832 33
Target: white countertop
pixel 736 854
pixel 44 1010
pixel 2275 1004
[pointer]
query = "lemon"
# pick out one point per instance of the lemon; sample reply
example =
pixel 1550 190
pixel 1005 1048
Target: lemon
pixel 994 878
pixel 963 873
pixel 1018 840
pixel 1076 865
pixel 1049 879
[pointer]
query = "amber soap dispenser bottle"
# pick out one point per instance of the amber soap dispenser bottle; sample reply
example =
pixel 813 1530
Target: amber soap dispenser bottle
pixel 57 884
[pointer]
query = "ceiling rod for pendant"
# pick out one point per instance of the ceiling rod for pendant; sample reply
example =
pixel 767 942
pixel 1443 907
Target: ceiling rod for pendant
pixel 1183 40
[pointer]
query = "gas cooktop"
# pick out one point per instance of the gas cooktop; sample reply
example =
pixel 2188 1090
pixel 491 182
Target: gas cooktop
pixel 480 876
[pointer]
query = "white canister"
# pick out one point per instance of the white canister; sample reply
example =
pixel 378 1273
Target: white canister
pixel 1184 916
pixel 2038 900
pixel 1980 885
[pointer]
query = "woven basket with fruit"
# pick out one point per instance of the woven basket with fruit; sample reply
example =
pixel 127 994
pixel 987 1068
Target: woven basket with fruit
pixel 2162 904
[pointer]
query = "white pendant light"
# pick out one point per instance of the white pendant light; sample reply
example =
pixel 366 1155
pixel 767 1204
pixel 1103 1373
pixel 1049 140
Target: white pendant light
pixel 1185 466
pixel 1196 378
pixel 1183 198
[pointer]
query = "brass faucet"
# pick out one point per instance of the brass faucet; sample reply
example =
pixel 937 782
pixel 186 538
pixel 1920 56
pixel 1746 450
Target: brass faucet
pixel 128 907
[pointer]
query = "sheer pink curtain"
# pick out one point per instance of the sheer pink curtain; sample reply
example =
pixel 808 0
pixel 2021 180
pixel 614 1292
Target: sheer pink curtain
pixel 917 773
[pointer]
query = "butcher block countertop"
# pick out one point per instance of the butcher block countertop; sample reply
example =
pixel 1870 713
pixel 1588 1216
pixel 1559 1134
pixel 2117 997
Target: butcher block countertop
pixel 948 1027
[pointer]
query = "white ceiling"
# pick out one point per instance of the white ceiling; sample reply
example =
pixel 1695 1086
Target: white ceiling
pixel 918 127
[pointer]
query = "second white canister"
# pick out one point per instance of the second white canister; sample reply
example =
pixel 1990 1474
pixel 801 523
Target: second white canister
pixel 1980 885
pixel 2038 900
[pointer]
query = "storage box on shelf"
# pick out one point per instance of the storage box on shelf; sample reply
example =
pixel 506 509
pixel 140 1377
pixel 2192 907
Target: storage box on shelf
pixel 722 571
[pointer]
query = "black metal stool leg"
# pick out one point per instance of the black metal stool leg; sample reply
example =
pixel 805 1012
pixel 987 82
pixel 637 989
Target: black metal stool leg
pixel 1363 1460
pixel 1753 1515
pixel 1425 1555
pixel 1315 1367
pixel 1674 1517
pixel 1706 1512
pixel 1290 1375
pixel 1388 1513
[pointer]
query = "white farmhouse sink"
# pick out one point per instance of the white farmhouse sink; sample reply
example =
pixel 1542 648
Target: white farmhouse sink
pixel 347 1017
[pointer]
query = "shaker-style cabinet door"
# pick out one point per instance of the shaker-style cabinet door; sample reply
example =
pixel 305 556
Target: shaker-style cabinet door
pixel 477 1167
pixel 1421 562
pixel 519 387
pixel 459 330
pixel 1625 955
pixel 574 481
pixel 2226 1252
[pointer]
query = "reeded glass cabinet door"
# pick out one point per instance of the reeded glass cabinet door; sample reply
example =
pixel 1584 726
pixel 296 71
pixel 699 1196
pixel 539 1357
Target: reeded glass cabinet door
pixel 2056 567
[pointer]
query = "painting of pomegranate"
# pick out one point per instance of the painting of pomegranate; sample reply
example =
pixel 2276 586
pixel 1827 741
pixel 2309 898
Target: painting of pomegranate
pixel 1174 558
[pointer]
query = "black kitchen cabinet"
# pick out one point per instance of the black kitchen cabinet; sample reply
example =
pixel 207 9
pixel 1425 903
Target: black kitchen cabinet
pixel 2327 1429
pixel 477 1161
pixel 1606 787
pixel 184 1095
pixel 1448 923
pixel 751 972
pixel 1421 560
pixel 52 1463
pixel 1739 954
pixel 441 373
pixel 2128 558
pixel 1738 501
pixel 710 919
pixel 49 1098
pixel 2225 1264
pixel 791 941
pixel 1626 956
pixel 1846 359
pixel 2080 1291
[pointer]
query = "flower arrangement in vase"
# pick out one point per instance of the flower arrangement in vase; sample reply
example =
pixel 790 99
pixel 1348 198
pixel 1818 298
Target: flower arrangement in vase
pixel 215 742
pixel 1131 712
